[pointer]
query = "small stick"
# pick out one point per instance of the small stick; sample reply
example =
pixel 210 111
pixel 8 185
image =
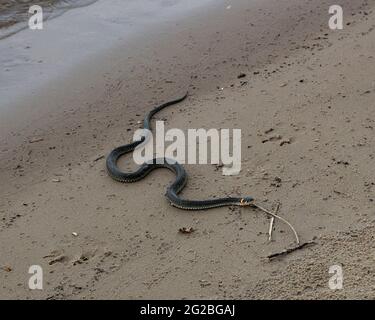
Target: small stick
pixel 280 218
pixel 98 158
pixel 270 229
pixel 287 251
pixel 272 222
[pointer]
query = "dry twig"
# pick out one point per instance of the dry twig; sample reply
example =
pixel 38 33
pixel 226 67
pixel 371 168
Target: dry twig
pixel 270 229
pixel 271 223
pixel 280 218
pixel 287 251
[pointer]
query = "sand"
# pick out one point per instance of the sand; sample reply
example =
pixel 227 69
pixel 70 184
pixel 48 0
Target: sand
pixel 309 85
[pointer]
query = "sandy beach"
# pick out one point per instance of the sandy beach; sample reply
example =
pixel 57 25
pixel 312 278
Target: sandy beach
pixel 302 94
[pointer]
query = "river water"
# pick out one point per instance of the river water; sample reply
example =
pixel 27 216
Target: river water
pixel 75 32
pixel 14 14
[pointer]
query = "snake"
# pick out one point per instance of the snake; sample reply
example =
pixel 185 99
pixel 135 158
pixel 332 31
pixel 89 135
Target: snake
pixel 175 188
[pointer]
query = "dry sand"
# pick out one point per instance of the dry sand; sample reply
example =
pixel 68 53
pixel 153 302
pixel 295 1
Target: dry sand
pixel 312 86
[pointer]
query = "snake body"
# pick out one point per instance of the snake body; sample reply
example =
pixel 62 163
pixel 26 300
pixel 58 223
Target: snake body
pixel 176 187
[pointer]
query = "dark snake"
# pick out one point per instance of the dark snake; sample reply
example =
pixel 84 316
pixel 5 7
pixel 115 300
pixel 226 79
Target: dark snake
pixel 176 187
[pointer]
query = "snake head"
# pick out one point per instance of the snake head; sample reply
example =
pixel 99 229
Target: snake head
pixel 247 201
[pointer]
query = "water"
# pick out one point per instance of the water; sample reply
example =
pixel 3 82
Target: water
pixel 32 59
pixel 14 14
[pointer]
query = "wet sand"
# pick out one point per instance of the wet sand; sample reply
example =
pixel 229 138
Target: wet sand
pixel 306 112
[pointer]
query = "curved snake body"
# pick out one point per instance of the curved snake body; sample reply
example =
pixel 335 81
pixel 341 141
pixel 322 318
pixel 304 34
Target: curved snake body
pixel 176 187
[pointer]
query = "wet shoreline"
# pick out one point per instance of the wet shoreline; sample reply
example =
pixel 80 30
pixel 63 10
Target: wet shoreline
pixel 14 14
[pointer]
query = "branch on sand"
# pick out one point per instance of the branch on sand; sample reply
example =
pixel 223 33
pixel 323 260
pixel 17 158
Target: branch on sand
pixel 272 223
pixel 287 251
pixel 274 215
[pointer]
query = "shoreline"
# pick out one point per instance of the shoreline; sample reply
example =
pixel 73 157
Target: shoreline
pixel 296 87
pixel 14 16
pixel 86 36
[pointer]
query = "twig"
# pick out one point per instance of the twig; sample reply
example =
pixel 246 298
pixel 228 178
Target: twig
pixel 287 251
pixel 280 218
pixel 98 158
pixel 270 229
pixel 271 223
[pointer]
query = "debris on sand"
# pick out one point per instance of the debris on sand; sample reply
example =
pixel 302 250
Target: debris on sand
pixel 7 269
pixel 57 256
pixel 285 141
pixel 60 258
pixel 272 214
pixel 287 251
pixel 204 283
pixel 273 138
pixel 272 221
pixel 98 158
pixel 34 140
pixel 186 230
